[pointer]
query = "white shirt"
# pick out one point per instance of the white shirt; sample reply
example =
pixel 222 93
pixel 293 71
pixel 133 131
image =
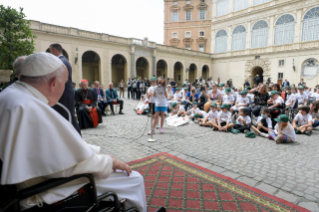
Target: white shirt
pixel 180 108
pixel 194 111
pixel 242 101
pixel 268 120
pixel 216 95
pixel 279 100
pixel 288 131
pixel 212 115
pixel 203 113
pixel 303 120
pixel 291 98
pixel 177 96
pixel 160 100
pixel 246 118
pixel 251 97
pixel 301 98
pixel 224 116
pixel 315 115
pixel 170 94
pixel 150 91
pixel 227 99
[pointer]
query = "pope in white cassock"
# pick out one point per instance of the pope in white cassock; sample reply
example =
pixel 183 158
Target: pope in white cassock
pixel 37 143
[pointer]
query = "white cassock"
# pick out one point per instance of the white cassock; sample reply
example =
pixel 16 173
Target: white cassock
pixel 37 144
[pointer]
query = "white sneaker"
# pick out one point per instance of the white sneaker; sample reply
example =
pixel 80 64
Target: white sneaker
pixel 264 135
pixel 157 126
pixel 151 132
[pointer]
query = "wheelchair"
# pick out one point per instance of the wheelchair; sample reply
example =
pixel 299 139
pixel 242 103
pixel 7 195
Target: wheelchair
pixel 83 200
pixel 291 112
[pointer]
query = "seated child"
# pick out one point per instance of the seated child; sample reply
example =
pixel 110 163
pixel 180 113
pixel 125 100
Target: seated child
pixel 211 119
pixel 176 98
pixel 142 105
pixel 291 98
pixel 250 96
pixel 241 102
pixel 264 123
pixel 228 98
pixel 192 111
pixel 224 119
pixel 284 132
pixel 200 116
pixel 243 121
pixel 177 109
pixel 303 121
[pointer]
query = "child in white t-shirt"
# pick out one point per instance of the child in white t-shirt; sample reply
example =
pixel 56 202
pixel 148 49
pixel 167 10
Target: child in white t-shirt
pixel 263 124
pixel 224 119
pixel 301 96
pixel 177 109
pixel 241 102
pixel 291 98
pixel 303 121
pixel 284 132
pixel 228 98
pixel 200 116
pixel 211 118
pixel 190 113
pixel 243 121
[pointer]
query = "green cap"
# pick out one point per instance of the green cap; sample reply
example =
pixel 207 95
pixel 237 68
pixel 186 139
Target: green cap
pixel 174 104
pixel 306 87
pixel 273 93
pixel 186 89
pixel 287 88
pixel 234 131
pixel 177 89
pixel 222 85
pixel 282 118
pixel 233 87
pixel 210 88
pixel 250 135
pixel 243 92
pixel 248 88
pixel 227 90
pixel 183 84
pixel 301 87
pixel 195 103
pixel 197 116
pixel 224 106
pixel 213 104
pixel 153 79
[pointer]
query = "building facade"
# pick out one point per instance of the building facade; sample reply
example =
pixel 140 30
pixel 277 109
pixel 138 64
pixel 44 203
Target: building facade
pixel 277 39
pixel 107 58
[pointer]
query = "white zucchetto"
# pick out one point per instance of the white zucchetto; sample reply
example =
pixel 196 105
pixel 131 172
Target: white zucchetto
pixel 40 64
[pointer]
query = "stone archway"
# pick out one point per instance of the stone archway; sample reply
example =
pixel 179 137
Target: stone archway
pixel 205 72
pixel 178 73
pixel 192 73
pixel 252 68
pixel 119 66
pixel 161 69
pixel 142 68
pixel 257 71
pixel 91 66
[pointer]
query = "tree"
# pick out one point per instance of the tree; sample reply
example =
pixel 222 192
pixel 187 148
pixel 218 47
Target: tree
pixel 16 38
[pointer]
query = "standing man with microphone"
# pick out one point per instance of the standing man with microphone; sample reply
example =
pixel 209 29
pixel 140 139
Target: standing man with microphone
pixel 68 96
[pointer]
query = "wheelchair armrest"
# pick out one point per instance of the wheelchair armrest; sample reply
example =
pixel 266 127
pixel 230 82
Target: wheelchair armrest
pixel 52 183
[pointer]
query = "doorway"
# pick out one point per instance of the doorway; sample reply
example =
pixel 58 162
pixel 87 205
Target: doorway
pixel 257 71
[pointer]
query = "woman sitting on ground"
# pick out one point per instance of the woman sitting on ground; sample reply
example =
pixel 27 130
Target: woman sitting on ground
pixel 261 97
pixel 215 95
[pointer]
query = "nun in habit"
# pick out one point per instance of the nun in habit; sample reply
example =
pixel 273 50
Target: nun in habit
pixel 37 143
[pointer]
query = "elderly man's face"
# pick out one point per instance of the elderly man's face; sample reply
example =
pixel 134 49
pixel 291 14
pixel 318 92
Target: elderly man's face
pixel 56 87
pixel 111 86
pixel 97 84
pixel 84 85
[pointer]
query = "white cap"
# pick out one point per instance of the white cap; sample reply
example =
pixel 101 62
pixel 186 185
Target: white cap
pixel 40 64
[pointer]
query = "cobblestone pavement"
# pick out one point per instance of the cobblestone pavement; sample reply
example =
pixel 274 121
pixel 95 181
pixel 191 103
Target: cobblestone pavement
pixel 288 171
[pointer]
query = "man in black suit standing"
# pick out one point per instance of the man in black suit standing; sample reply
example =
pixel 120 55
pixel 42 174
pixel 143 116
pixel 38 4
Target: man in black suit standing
pixel 138 89
pixel 68 97
pixel 285 83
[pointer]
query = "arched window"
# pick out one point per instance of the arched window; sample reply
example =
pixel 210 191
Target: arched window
pixel 284 31
pixel 259 35
pixel 221 41
pixel 239 38
pixel 310 28
pixel 221 7
pixel 256 2
pixel 240 4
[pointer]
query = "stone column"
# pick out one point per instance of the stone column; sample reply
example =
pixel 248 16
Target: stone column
pixel 250 3
pixel 214 8
pixel 154 65
pixel 271 32
pixel 298 27
pixel 133 74
pixel 231 6
pixel 229 38
pixel 248 35
pixel 212 46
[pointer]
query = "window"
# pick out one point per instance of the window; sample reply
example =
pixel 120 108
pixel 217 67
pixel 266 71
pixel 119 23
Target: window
pixel 188 2
pixel 175 35
pixel 284 31
pixel 202 14
pixel 240 4
pixel 281 62
pixel 257 57
pixel 256 2
pixel 221 41
pixel 239 38
pixel 175 15
pixel 310 28
pixel 175 2
pixel 188 15
pixel 201 48
pixel 221 7
pixel 188 47
pixel 201 34
pixel 259 36
pixel 187 34
pixel 280 76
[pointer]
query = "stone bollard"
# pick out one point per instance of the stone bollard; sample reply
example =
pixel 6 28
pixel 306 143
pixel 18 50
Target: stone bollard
pixel 5 75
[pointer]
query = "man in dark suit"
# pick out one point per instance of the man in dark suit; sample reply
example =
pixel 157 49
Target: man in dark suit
pixel 285 83
pixel 112 97
pixel 101 101
pixel 138 89
pixel 68 96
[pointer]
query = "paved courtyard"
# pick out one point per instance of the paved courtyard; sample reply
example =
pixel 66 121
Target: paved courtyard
pixel 288 171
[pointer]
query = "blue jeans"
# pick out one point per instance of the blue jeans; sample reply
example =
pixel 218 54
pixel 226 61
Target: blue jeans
pixel 187 104
pixel 316 123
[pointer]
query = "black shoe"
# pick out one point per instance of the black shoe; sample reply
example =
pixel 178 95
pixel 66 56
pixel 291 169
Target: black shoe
pixel 121 113
pixel 113 113
pixel 103 114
